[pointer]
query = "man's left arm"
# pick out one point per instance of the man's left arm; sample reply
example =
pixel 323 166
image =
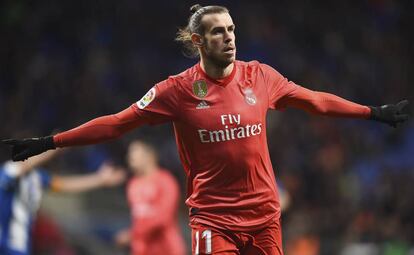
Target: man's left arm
pixel 322 103
pixel 284 93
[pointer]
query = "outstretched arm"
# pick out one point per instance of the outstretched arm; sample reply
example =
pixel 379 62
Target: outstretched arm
pixel 106 176
pixel 95 131
pixel 159 105
pixel 322 103
pixel 284 93
pixel 100 129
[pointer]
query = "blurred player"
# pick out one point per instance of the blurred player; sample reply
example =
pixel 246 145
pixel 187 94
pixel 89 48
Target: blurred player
pixel 153 196
pixel 21 188
pixel 218 108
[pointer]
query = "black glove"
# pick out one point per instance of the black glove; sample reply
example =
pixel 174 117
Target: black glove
pixel 26 148
pixel 392 114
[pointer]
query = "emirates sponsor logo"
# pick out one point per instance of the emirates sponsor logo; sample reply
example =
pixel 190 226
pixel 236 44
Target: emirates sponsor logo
pixel 232 130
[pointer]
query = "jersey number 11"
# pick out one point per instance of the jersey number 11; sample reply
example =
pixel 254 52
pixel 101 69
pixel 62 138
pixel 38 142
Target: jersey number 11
pixel 206 234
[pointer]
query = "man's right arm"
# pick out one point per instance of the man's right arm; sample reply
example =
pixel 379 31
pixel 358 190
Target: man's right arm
pixel 95 131
pixel 159 105
pixel 100 130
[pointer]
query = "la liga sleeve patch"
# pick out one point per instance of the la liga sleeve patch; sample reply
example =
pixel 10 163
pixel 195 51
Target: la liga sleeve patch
pixel 146 99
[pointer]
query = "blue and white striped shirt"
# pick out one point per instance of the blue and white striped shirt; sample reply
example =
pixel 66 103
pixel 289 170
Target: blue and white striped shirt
pixel 19 201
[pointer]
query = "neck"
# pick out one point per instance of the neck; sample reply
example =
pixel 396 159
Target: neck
pixel 214 71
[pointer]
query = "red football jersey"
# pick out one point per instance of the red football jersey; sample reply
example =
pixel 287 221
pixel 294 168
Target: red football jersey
pixel 220 129
pixel 221 136
pixel 153 201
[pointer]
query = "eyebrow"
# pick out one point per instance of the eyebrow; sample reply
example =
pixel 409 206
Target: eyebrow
pixel 221 27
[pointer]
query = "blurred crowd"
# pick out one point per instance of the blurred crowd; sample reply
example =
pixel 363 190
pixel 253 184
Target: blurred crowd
pixel 349 181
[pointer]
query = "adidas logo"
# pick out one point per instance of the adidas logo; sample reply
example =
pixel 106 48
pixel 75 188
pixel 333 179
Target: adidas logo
pixel 202 105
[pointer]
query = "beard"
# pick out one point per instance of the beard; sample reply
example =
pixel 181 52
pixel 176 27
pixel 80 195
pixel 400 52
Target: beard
pixel 218 59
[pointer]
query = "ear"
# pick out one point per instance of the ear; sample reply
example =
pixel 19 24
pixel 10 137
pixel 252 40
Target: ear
pixel 197 39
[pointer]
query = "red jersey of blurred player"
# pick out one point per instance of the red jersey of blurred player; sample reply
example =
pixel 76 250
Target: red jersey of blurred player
pixel 153 196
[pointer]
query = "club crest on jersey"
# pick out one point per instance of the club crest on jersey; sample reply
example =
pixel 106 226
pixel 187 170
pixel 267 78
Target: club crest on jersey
pixel 200 88
pixel 249 97
pixel 146 99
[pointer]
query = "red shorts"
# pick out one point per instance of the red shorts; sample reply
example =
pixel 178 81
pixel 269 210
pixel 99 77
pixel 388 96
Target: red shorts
pixel 210 240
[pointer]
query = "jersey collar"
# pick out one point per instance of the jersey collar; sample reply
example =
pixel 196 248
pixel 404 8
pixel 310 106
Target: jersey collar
pixel 221 82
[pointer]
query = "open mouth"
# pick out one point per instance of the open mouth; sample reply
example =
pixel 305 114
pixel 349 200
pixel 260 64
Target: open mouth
pixel 229 50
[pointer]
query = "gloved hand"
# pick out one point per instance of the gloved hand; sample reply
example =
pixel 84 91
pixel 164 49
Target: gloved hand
pixel 392 114
pixel 28 147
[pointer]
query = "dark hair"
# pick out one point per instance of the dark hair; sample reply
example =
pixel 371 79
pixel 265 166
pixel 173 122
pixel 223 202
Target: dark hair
pixel 194 26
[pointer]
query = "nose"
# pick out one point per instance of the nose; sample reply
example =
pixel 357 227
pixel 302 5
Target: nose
pixel 228 37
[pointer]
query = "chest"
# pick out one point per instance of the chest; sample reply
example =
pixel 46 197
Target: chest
pixel 210 106
pixel 143 191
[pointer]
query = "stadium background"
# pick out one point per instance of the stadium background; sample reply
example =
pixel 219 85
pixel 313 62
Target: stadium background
pixel 350 182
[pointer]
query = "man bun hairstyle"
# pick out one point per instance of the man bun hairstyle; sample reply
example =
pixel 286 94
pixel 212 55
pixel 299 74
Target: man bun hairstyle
pixel 195 8
pixel 194 26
